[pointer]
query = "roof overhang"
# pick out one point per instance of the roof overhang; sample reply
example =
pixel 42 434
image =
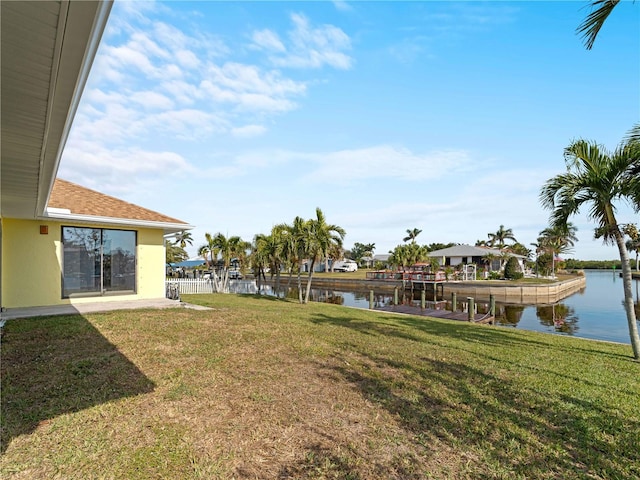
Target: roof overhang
pixel 60 216
pixel 47 49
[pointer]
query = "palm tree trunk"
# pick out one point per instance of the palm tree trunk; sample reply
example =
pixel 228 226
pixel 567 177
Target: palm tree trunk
pixel 308 292
pixel 300 282
pixel 628 295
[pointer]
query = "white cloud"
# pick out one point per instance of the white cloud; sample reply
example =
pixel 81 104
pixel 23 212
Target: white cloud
pixel 308 46
pixel 268 40
pixel 152 100
pixel 118 169
pixel 342 6
pixel 385 161
pixel 248 131
pixel 251 88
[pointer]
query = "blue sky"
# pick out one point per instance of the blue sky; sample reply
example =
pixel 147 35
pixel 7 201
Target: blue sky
pixel 442 116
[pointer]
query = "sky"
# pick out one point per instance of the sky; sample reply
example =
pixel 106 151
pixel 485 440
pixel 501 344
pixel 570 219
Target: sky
pixel 447 117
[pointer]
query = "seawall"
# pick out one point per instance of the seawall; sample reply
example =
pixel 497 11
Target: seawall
pixel 525 294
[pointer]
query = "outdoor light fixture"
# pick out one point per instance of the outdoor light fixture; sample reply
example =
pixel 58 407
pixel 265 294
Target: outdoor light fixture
pixel 44 229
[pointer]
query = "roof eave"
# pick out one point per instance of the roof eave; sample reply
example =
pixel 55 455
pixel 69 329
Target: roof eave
pixel 166 227
pixel 72 26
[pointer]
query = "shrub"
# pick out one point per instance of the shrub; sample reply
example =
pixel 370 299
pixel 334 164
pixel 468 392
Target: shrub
pixel 512 269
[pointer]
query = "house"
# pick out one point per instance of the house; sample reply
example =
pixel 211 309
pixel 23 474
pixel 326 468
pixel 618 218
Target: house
pixel 61 243
pixel 467 254
pixel 371 262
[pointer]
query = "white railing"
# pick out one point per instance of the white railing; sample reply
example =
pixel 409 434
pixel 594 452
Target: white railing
pixel 202 285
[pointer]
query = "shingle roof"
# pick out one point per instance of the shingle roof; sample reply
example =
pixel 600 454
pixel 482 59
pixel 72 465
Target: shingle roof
pixel 464 251
pixel 84 201
pixel 468 251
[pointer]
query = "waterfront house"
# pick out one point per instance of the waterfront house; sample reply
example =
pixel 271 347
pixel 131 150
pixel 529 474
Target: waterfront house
pixel 61 243
pixel 467 254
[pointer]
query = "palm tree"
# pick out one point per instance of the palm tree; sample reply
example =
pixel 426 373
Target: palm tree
pixel 260 257
pixel 183 238
pixel 498 238
pixel 556 240
pixel 519 249
pixel 211 248
pixel 294 248
pixel 318 238
pixel 633 244
pixel 174 253
pixel 406 255
pixel 335 253
pixel 590 26
pixel 599 179
pixel 411 235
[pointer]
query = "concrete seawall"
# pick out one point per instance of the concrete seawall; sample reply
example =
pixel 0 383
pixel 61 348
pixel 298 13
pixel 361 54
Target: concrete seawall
pixel 520 294
pixel 525 294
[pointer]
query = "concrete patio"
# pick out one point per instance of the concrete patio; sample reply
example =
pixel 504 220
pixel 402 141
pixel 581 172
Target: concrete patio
pixel 94 307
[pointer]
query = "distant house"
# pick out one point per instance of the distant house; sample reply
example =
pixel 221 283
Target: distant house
pixel 467 254
pixel 61 243
pixel 370 262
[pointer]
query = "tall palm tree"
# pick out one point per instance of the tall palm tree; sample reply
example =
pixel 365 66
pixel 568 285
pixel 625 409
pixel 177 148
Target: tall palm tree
pixel 556 240
pixel 498 239
pixel 634 246
pixel 203 251
pixel 183 238
pixel 590 26
pixel 260 257
pixel 411 235
pixel 598 179
pixel 174 253
pixel 335 253
pixel 319 238
pixel 211 248
pixel 295 243
pixel 406 255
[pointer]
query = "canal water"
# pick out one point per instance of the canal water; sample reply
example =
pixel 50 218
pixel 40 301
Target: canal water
pixel 596 312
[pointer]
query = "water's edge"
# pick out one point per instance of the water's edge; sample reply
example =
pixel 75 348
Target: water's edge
pixel 479 289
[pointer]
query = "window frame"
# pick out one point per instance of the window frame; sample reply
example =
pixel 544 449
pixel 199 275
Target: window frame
pixel 102 292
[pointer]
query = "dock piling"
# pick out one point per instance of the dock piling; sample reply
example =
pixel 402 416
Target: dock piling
pixel 370 299
pixel 422 299
pixel 454 302
pixel 471 308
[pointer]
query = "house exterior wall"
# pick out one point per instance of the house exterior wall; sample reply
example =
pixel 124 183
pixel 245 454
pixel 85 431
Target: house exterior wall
pixel 31 265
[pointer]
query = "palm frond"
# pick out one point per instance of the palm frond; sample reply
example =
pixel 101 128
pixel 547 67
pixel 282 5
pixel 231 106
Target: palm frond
pixel 591 25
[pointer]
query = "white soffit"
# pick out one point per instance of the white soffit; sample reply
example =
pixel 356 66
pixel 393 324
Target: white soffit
pixel 47 49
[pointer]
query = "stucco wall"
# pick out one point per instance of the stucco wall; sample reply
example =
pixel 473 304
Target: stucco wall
pixel 31 265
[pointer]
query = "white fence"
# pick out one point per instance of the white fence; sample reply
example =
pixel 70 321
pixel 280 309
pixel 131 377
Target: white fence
pixel 201 285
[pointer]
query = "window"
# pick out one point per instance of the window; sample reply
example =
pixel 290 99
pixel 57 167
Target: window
pixel 98 261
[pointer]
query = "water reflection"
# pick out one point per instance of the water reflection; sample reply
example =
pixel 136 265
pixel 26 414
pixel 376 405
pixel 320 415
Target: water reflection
pixel 509 315
pixel 559 316
pixel 595 312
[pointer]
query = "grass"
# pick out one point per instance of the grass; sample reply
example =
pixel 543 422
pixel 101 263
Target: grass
pixel 264 388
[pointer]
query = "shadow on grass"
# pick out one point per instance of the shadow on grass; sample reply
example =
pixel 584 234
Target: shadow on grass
pixel 518 430
pixel 488 335
pixel 56 365
pixel 518 427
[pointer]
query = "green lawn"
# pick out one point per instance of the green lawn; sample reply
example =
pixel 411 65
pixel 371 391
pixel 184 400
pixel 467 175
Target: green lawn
pixel 264 388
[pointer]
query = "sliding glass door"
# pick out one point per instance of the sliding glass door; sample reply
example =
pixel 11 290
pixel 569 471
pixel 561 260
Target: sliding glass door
pixel 98 261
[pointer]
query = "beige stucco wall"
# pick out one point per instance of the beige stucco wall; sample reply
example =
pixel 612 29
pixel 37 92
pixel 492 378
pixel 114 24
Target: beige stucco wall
pixel 31 265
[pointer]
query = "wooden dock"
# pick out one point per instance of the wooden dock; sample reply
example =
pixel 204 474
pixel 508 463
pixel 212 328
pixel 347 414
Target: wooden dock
pixel 481 318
